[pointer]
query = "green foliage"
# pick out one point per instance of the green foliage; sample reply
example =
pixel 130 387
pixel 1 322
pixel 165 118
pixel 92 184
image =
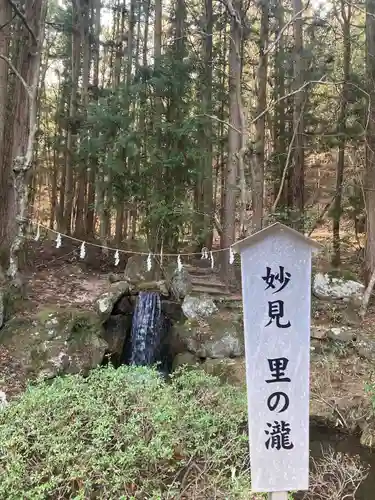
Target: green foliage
pixel 156 165
pixel 125 434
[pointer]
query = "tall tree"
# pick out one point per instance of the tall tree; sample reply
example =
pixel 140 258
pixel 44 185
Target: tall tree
pixel 370 138
pixel 5 16
pixel 258 164
pixel 298 171
pixel 345 21
pixel 234 139
pixel 72 123
pixel 31 35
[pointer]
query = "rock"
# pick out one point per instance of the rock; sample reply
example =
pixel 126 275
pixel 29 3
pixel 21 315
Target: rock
pixel 184 359
pixel 366 348
pixel 105 303
pixel 180 283
pixel 172 310
pixel 123 306
pixel 151 286
pixel 55 342
pixel 232 371
pixel 114 278
pixel 319 332
pixel 316 347
pixel 342 334
pixel 198 307
pixel 116 330
pixel 327 287
pixel 215 337
pixel 136 269
pixel 226 347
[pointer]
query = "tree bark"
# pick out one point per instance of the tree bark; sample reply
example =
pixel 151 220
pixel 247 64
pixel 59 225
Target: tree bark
pixel 370 140
pixel 25 126
pixel 297 176
pixel 234 139
pixel 72 123
pixel 5 15
pixel 96 13
pixel 81 213
pixel 258 165
pixel 341 128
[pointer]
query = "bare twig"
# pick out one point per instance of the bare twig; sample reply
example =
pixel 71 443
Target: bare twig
pixel 284 28
pixel 18 75
pixel 23 19
pixel 335 477
pixel 334 408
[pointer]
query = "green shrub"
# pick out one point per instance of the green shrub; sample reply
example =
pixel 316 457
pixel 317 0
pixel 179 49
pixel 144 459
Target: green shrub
pixel 125 434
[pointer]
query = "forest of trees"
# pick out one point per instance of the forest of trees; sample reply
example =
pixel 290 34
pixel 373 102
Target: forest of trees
pixel 184 120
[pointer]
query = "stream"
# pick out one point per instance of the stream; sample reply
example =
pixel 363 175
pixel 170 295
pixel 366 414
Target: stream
pixel 323 438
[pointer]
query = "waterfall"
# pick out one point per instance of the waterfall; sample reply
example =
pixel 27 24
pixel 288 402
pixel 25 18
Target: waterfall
pixel 149 331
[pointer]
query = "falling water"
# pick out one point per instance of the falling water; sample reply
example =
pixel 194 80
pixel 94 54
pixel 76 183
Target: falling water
pixel 148 334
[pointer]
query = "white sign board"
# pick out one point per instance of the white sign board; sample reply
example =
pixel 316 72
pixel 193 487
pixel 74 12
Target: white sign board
pixel 276 276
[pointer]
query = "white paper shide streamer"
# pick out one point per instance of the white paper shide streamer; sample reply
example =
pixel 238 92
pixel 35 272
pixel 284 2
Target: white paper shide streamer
pixel 117 258
pixel 82 253
pixel 58 241
pixel 204 253
pixel 149 262
pixel 179 263
pixel 231 255
pixel 37 236
pixel 212 260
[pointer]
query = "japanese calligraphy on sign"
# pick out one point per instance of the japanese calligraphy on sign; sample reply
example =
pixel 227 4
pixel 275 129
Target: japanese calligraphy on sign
pixel 276 275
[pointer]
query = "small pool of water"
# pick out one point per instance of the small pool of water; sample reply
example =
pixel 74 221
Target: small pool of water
pixel 323 438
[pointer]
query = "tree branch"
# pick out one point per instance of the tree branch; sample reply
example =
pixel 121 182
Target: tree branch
pixel 23 19
pixel 232 11
pixel 284 28
pixel 18 75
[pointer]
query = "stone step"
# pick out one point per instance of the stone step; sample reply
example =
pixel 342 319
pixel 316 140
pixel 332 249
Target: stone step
pixel 210 290
pixel 198 271
pixel 207 281
pixel 233 298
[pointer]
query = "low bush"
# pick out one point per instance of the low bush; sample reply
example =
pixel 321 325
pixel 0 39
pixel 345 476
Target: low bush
pixel 125 434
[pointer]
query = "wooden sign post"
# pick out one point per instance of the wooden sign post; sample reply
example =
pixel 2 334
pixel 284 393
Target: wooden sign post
pixel 276 291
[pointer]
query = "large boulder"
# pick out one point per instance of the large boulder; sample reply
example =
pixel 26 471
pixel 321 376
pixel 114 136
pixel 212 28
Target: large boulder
pixel 106 301
pixel 327 287
pixel 136 269
pixel 201 306
pixel 215 337
pixel 180 282
pixel 116 330
pixel 55 342
pixel 232 371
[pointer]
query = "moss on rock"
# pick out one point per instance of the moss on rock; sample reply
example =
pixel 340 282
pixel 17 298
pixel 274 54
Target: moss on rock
pixel 55 341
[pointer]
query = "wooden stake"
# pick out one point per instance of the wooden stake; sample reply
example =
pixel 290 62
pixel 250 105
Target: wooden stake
pixel 278 495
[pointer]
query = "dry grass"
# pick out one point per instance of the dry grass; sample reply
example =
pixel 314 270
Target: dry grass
pixel 338 389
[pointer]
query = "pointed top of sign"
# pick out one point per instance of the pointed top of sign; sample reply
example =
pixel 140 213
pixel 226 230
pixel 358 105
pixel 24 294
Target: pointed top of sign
pixel 274 229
